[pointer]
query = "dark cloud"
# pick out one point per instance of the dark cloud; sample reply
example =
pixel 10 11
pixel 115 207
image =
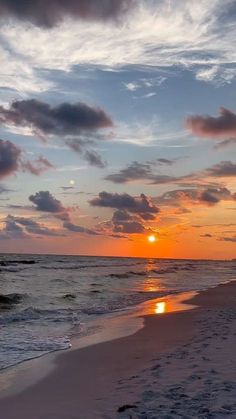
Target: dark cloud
pixel 206 235
pixel 212 196
pixel 37 167
pixel 222 169
pixel 141 205
pixel 207 196
pixel 12 160
pixel 213 127
pixel 9 158
pixel 144 171
pixel 94 159
pixel 12 230
pixel 48 13
pixel 130 212
pixel 64 119
pixel 79 146
pixel 33 227
pixel 135 171
pixel 228 239
pixel 79 229
pixel 139 171
pixel 46 202
pixel 119 236
pixel 226 143
pixel 165 161
pixel 123 222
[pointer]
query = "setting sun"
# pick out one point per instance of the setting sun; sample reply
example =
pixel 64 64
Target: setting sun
pixel 151 239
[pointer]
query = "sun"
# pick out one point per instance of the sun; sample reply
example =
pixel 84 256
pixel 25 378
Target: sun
pixel 151 239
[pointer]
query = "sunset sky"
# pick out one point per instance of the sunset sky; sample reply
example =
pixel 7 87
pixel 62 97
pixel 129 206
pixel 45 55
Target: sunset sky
pixel 117 121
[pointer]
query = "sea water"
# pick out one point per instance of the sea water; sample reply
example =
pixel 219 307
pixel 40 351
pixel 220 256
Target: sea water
pixel 46 300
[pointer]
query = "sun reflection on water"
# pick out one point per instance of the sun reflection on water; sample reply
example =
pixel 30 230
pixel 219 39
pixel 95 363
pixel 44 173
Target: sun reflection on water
pixel 160 307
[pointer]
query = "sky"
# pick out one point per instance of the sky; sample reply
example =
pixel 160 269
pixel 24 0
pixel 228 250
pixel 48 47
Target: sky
pixel 117 122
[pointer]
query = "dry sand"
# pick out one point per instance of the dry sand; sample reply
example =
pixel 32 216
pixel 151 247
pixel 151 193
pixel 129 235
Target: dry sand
pixel 180 365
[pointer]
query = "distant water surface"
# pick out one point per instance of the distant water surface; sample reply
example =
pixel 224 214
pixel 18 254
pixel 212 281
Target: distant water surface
pixel 45 300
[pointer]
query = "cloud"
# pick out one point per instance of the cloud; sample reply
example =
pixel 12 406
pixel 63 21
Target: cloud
pixel 216 75
pixel 94 159
pixel 45 202
pixel 222 169
pixel 153 35
pixel 48 13
pixel 9 158
pixel 12 160
pixel 148 95
pixel 132 87
pixel 228 239
pixel 141 171
pixel 201 196
pixel 64 119
pixel 3 189
pixel 135 171
pixel 165 161
pixel 12 230
pixel 212 196
pixel 213 127
pixel 145 84
pixel 141 205
pixel 130 213
pixel 226 143
pixel 79 146
pixel 39 166
pixel 33 227
pixel 123 222
pixel 79 229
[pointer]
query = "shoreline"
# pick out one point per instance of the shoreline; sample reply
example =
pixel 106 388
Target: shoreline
pixel 112 326
pixel 80 379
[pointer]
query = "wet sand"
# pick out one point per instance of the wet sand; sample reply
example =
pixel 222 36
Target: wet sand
pixel 180 365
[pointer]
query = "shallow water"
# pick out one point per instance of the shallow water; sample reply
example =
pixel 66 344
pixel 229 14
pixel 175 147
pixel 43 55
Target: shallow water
pixel 45 301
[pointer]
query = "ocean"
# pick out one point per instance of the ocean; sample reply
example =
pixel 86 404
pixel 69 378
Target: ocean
pixel 46 300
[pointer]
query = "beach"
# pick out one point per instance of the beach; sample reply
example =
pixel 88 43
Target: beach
pixel 181 364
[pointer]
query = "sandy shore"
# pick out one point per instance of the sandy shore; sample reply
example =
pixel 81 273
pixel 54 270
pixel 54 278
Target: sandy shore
pixel 180 365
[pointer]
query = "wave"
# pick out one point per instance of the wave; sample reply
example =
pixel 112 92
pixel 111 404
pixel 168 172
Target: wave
pixel 32 314
pixel 27 350
pixel 69 297
pixel 78 267
pixel 163 271
pixel 124 302
pixel 9 300
pixel 10 269
pixel 17 262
